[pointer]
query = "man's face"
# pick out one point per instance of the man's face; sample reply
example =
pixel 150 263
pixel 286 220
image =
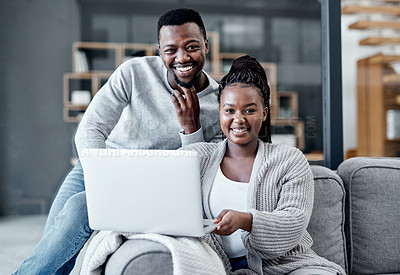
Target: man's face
pixel 183 51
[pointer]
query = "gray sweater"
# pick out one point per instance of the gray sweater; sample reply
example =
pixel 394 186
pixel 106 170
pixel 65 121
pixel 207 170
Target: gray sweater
pixel 133 110
pixel 280 198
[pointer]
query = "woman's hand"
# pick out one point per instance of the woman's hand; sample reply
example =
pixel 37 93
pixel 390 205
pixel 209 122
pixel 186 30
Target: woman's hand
pixel 230 220
pixel 187 109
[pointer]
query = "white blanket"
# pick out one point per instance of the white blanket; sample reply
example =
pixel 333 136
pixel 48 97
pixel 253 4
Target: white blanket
pixel 189 255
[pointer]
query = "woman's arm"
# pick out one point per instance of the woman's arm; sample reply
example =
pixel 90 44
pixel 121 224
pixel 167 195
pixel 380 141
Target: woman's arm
pixel 228 221
pixel 276 233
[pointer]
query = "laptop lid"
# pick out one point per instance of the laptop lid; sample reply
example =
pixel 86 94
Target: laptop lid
pixel 144 191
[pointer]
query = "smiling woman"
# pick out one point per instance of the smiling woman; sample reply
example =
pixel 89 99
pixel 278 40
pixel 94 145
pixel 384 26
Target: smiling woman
pixel 259 194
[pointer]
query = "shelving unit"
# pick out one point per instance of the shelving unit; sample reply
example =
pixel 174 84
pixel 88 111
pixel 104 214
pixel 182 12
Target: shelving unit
pixel 287 105
pixel 93 51
pixel 90 82
pixel 130 50
pixel 378 91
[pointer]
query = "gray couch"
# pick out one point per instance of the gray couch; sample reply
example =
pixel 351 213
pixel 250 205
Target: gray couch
pixel 355 222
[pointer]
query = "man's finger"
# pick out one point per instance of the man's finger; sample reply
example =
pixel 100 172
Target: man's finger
pixel 194 97
pixel 176 103
pixel 189 96
pixel 179 97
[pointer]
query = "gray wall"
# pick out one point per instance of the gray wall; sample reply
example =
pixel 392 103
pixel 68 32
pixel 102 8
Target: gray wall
pixel 35 143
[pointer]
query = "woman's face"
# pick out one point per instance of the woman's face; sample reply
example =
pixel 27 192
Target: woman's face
pixel 241 113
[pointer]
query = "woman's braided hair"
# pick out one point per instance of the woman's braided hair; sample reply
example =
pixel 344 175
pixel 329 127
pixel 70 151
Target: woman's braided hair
pixel 248 70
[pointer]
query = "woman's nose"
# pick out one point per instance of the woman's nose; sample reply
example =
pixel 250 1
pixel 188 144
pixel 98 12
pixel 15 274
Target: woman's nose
pixel 239 117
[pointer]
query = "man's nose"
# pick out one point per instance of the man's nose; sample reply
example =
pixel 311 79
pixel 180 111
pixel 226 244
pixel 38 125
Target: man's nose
pixel 181 56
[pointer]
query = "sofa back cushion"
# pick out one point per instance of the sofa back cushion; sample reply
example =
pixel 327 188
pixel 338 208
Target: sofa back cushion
pixel 326 225
pixel 372 214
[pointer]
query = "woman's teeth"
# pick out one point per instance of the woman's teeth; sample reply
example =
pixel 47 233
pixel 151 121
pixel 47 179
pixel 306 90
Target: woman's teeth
pixel 240 130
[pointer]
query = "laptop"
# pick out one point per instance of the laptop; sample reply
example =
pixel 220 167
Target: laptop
pixel 144 191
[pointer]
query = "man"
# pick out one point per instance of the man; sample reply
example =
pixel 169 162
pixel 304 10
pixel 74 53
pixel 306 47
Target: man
pixel 148 102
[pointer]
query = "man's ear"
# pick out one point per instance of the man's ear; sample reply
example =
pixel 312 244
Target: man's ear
pixel 159 50
pixel 206 45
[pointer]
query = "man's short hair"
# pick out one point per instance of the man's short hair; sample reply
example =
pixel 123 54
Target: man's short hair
pixel 181 16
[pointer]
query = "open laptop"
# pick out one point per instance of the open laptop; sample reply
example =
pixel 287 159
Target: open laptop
pixel 144 191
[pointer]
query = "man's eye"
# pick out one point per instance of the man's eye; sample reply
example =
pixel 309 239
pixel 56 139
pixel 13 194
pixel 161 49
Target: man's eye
pixel 229 111
pixel 169 51
pixel 193 47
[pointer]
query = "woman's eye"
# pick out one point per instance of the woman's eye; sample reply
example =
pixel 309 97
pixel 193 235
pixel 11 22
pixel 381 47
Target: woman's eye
pixel 249 111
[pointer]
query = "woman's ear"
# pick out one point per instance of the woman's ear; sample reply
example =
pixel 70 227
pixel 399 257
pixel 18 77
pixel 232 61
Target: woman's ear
pixel 265 113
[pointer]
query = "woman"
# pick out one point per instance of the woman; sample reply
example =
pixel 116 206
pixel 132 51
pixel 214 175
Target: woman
pixel 260 194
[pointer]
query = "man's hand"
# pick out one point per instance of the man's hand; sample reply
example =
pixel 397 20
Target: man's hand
pixel 230 220
pixel 187 109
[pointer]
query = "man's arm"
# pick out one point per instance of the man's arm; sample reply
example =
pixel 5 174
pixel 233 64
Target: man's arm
pixel 103 112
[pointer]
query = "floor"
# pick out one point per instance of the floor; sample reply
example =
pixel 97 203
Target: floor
pixel 18 237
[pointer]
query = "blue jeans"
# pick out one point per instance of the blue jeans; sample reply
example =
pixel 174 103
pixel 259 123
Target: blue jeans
pixel 66 231
pixel 239 263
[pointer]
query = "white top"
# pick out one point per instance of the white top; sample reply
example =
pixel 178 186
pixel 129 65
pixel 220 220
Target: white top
pixel 229 194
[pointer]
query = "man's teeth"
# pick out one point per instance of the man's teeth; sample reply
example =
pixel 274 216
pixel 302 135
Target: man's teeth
pixel 184 69
pixel 240 130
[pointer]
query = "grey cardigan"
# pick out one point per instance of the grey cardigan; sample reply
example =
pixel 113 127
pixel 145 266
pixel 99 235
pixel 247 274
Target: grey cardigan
pixel 280 198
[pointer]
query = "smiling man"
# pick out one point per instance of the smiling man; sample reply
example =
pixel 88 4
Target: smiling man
pixel 148 103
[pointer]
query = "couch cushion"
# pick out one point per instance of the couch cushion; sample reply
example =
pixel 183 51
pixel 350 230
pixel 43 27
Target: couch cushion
pixel 373 214
pixel 326 225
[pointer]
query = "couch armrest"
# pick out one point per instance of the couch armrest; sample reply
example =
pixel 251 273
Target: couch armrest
pixel 140 257
pixel 372 214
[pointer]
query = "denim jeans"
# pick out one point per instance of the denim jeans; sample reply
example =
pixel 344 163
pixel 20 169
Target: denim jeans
pixel 239 263
pixel 66 231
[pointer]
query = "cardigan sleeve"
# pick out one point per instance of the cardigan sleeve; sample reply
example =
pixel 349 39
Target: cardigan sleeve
pixel 275 233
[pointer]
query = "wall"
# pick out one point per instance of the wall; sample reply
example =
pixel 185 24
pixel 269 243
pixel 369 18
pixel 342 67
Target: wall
pixel 35 51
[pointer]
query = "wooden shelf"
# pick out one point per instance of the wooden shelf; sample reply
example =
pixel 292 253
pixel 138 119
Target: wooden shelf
pixel 76 106
pixel 350 9
pixel 375 1
pixel 376 40
pixel 383 59
pixel 315 156
pixel 147 49
pixel 292 106
pixel 365 24
pixel 391 79
pixel 298 126
pixel 96 46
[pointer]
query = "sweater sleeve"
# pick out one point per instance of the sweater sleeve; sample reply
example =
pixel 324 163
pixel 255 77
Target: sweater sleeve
pixel 104 111
pixel 275 233
pixel 191 138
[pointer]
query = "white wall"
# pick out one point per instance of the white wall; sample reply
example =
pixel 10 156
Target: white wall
pixel 351 52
